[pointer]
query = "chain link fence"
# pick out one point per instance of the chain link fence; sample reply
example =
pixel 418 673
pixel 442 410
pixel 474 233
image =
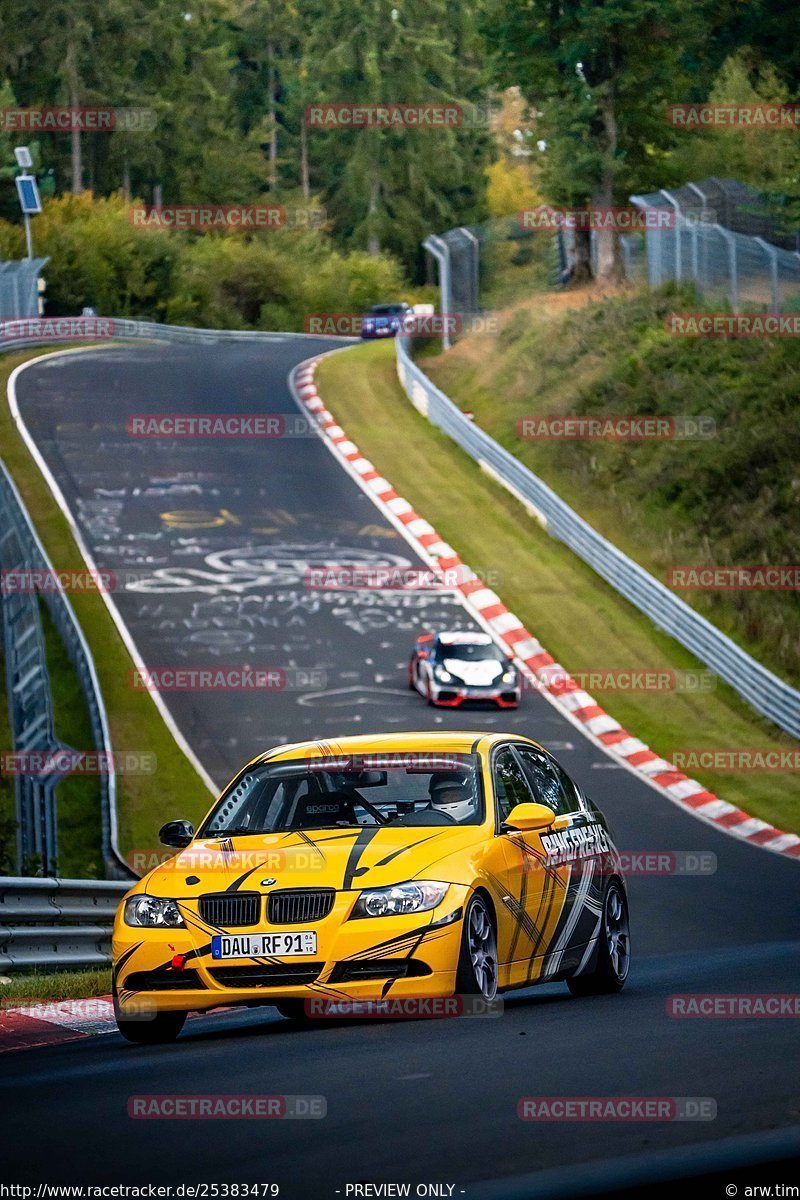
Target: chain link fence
pixel 718 233
pixel 725 240
pixel 487 266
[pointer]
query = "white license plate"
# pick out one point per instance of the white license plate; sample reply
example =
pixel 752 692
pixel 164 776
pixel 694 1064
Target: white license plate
pixel 263 945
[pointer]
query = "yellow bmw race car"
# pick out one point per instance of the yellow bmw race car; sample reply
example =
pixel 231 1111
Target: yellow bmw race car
pixel 407 866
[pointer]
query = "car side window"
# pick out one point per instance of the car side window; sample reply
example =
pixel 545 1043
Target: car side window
pixel 548 782
pixel 509 784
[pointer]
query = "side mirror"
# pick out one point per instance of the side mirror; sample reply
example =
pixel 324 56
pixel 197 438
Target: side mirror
pixel 176 833
pixel 529 817
pixel 422 654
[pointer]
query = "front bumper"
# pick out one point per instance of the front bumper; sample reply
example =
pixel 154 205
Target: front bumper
pixel 415 955
pixel 454 695
pixel 383 332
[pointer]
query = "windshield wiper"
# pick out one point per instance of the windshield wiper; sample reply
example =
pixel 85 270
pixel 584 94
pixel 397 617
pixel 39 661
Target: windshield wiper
pixel 235 831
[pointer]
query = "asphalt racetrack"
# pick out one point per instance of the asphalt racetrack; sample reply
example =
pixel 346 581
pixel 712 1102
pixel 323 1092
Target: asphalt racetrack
pixel 217 536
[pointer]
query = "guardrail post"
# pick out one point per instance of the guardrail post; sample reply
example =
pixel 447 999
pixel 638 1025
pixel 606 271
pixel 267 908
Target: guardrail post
pixel 730 241
pixel 441 252
pixel 772 254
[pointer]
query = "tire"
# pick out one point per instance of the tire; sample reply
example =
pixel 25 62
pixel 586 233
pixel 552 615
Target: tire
pixel 478 946
pixel 293 1010
pixel 613 951
pixel 412 687
pixel 153 1031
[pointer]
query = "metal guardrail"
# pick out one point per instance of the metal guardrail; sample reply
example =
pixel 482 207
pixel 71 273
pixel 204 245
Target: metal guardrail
pixel 30 702
pixel 109 329
pixel 121 329
pixel 766 692
pixel 56 923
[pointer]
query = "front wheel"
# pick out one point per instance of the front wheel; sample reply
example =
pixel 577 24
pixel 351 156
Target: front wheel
pixel 293 1010
pixel 151 1030
pixel 613 952
pixel 477 963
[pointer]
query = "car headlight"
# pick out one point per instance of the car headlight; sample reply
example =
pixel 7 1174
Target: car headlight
pixel 442 675
pixel 509 676
pixel 151 912
pixel 402 898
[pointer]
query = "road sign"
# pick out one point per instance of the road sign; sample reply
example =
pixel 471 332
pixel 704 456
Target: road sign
pixel 28 193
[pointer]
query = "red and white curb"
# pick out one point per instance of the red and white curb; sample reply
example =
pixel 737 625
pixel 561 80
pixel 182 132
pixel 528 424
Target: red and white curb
pixel 48 1022
pixel 549 677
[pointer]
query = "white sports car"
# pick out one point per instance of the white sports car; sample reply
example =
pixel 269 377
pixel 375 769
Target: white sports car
pixel 451 668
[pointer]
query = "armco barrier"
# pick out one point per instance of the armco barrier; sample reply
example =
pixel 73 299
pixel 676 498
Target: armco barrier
pixel 768 694
pixel 55 923
pixel 29 691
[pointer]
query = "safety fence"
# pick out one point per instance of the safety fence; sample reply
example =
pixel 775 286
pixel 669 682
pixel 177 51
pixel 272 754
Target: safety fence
pixel 30 696
pixel 719 234
pixel 48 924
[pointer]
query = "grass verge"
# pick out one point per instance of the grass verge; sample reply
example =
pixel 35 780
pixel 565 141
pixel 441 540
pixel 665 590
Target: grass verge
pixel 61 985
pixel 583 623
pixel 726 499
pixel 134 721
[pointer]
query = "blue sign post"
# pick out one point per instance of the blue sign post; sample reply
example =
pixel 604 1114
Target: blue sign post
pixel 29 199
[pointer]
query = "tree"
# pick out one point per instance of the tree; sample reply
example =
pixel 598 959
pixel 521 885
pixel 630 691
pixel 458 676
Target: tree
pixel 769 160
pixel 602 75
pixel 51 60
pixel 390 187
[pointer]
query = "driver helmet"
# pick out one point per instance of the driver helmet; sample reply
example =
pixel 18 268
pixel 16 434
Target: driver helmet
pixel 452 795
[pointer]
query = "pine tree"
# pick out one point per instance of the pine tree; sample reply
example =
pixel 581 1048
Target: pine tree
pixel 390 187
pixel 602 76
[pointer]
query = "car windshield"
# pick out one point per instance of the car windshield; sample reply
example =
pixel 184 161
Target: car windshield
pixel 387 310
pixel 412 789
pixel 470 652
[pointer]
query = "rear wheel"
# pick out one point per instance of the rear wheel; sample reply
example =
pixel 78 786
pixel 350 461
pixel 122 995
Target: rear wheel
pixel 149 1030
pixel 477 963
pixel 613 952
